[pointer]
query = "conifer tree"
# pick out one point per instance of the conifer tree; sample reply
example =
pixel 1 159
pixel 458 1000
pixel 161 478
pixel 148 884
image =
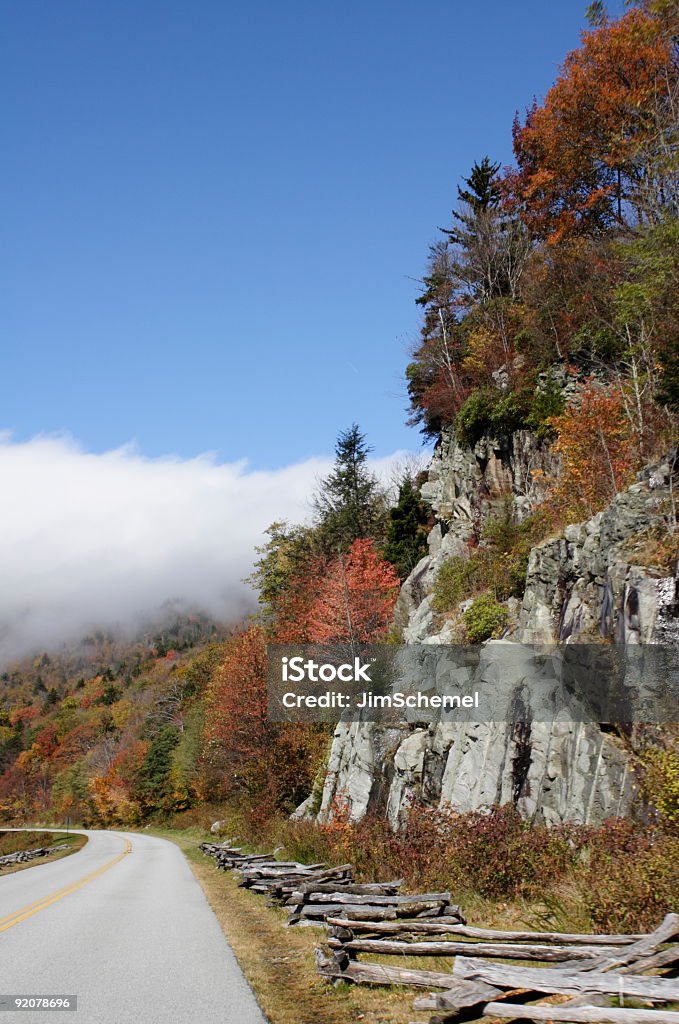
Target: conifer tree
pixel 406 541
pixel 491 244
pixel 350 504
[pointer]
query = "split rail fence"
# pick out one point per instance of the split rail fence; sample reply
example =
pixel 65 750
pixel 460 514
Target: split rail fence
pixel 376 919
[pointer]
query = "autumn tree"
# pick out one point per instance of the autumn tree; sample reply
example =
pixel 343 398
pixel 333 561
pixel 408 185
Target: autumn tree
pixel 598 449
pixel 249 758
pixel 357 599
pixel 470 290
pixel 284 558
pixel 70 793
pixel 436 385
pixel 601 149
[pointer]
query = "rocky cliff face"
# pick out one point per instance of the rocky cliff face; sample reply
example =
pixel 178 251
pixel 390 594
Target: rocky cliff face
pixel 584 585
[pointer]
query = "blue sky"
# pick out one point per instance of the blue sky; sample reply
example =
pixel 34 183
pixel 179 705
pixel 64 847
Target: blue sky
pixel 214 212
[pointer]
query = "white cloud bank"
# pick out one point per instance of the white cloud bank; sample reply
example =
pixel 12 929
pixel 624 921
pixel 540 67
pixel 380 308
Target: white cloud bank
pixel 102 539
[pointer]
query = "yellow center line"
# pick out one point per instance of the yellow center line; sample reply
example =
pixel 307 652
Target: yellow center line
pixel 47 901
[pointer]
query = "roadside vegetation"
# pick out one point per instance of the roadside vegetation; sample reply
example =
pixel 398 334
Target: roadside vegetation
pixel 14 842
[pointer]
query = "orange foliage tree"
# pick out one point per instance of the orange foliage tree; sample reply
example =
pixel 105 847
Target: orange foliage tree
pixel 593 148
pixel 236 711
pixel 598 449
pixel 292 624
pixel 357 598
pixel 248 758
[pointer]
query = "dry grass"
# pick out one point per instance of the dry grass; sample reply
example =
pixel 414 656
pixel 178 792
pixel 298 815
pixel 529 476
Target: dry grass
pixel 654 547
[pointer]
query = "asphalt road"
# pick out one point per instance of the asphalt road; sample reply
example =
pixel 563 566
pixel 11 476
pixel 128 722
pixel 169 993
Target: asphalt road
pixel 124 925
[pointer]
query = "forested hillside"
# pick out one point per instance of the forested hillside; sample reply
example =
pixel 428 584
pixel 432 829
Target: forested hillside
pixel 108 730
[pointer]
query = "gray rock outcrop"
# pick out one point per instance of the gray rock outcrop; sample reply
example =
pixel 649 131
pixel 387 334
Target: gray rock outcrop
pixel 582 586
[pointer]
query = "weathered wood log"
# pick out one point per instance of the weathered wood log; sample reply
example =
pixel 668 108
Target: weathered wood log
pixel 316 889
pixel 570 938
pixel 248 858
pixel 573 982
pixel 586 1014
pixel 315 892
pixel 446 1001
pixel 356 899
pixel 318 912
pixel 286 866
pixel 276 871
pixel 375 974
pixel 274 879
pixel 368 888
pixel 283 892
pixel 499 950
pixel 380 913
pixel 668 930
pixel 337 870
pixel 664 958
pixel 462 996
pixel 247 880
pixel 282 884
pixel 293 886
pixel 443 925
pixel 221 848
pixel 296 880
pixel 232 863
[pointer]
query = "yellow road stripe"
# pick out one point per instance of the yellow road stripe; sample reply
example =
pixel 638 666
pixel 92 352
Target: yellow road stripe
pixel 47 901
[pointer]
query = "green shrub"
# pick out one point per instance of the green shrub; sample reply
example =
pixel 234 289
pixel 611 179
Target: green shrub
pixel 485 618
pixel 475 417
pixel 547 402
pixel 492 411
pixel 499 565
pixel 510 412
pixel 455 580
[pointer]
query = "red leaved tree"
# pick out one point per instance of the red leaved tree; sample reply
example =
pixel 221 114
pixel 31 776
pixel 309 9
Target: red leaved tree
pixel 356 599
pixel 261 764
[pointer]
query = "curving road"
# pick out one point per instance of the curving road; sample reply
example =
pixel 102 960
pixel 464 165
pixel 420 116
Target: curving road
pixel 124 925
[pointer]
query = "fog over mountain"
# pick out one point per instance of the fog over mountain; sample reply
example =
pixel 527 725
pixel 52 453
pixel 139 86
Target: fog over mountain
pixel 103 539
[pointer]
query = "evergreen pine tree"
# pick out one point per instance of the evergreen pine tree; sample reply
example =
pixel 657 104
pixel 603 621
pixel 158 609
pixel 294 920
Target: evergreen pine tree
pixel 406 538
pixel 350 504
pixel 490 245
pixel 484 190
